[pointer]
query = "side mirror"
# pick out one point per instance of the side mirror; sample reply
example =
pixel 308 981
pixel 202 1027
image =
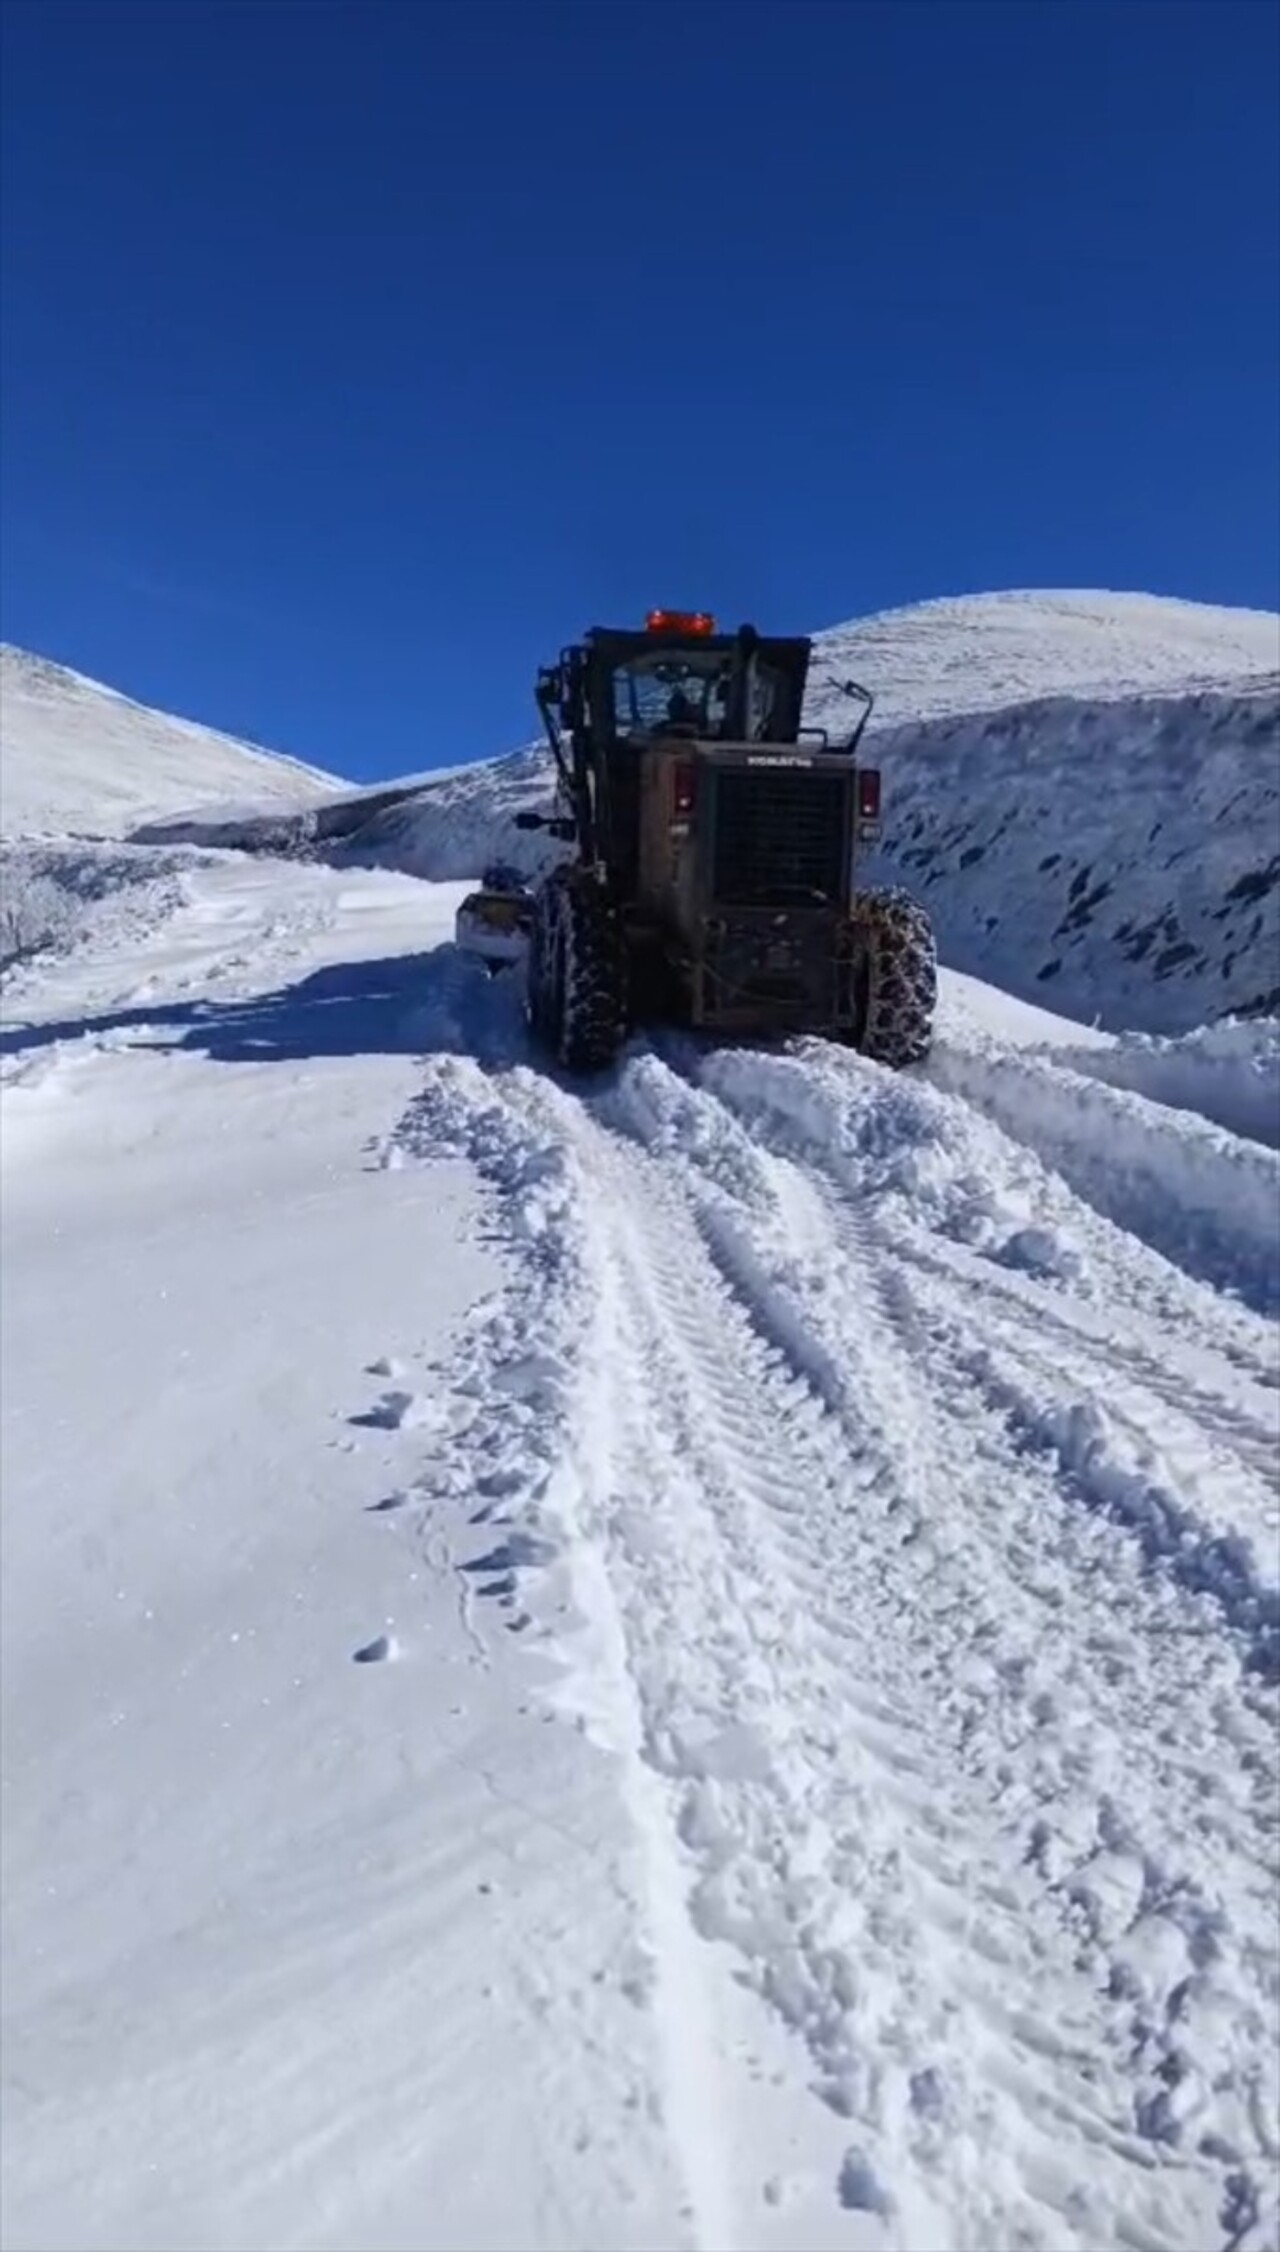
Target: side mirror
pixel 529 820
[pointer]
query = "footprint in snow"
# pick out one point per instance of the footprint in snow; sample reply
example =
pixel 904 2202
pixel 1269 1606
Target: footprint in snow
pixel 780 2189
pixel 500 1485
pixel 416 1411
pixel 388 1502
pixel 520 1551
pixel 385 1365
pixel 860 2187
pixel 395 1411
pixel 500 1590
pixel 375 1653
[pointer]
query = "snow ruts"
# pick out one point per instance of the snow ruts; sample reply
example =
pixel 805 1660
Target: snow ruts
pixel 914 1522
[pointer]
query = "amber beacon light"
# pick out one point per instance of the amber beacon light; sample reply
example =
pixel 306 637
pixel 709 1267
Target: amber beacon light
pixel 680 621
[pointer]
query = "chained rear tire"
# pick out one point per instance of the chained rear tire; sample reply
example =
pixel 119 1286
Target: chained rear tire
pixel 896 969
pixel 577 996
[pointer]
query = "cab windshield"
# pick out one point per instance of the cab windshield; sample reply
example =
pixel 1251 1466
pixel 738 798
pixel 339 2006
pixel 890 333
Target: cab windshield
pixel 690 691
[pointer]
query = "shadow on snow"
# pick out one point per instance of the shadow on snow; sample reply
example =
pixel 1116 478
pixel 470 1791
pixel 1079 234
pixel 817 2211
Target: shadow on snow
pixel 405 1005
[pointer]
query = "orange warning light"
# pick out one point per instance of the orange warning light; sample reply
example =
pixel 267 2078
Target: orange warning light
pixel 680 621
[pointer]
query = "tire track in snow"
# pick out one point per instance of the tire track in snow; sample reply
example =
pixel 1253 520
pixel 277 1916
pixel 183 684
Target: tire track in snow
pixel 1212 1521
pixel 1229 1404
pixel 1242 1744
pixel 1112 1459
pixel 707 1513
pixel 778 1772
pixel 537 1457
pixel 938 1163
pixel 1043 1390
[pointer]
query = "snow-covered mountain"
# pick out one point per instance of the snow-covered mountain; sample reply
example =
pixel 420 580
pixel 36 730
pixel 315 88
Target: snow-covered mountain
pixel 690 1664
pixel 75 756
pixel 80 766
pixel 982 652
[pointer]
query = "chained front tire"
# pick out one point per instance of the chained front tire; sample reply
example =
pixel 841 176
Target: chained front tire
pixel 577 994
pixel 896 977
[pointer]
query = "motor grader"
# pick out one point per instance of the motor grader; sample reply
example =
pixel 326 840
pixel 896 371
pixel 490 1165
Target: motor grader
pixel 710 878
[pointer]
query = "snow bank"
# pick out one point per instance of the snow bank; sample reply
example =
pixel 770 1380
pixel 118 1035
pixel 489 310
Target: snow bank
pixel 1085 789
pixel 1202 1196
pixel 1121 859
pixel 1229 1072
pixel 57 897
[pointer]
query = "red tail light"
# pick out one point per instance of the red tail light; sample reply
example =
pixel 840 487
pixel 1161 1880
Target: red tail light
pixel 684 795
pixel 869 793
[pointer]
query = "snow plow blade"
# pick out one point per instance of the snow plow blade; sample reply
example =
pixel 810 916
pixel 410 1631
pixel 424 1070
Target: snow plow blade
pixel 494 925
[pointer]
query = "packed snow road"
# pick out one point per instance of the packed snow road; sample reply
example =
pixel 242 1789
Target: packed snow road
pixel 828 1525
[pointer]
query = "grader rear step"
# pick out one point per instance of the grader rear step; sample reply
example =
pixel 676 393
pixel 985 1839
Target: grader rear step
pixel 712 880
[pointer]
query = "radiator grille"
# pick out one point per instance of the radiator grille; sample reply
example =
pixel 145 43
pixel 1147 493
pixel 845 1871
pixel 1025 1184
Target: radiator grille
pixel 779 836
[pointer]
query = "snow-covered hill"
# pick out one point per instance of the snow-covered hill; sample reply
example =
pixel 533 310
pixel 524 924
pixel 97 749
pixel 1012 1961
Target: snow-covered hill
pixel 75 756
pixel 1123 856
pixel 982 652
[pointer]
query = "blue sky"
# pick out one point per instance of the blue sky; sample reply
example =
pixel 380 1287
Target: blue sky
pixel 354 356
